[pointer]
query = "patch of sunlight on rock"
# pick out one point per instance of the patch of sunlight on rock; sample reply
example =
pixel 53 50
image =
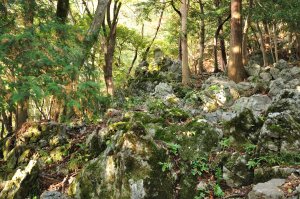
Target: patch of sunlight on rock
pixel 110 169
pixel 128 144
pixel 298 88
pixel 137 189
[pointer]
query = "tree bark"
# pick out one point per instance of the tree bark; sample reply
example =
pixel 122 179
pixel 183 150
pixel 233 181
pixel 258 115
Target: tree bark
pixel 110 46
pixel 236 71
pixel 223 50
pixel 201 38
pixel 275 42
pixel 93 33
pixel 184 44
pixel 245 33
pixel 298 45
pixel 262 44
pixel 62 10
pixel 146 53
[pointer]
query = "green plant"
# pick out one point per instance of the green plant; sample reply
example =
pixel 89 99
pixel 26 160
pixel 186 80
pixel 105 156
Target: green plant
pixel 250 148
pixel 225 143
pixel 218 191
pixel 165 166
pixel 200 166
pixel 174 148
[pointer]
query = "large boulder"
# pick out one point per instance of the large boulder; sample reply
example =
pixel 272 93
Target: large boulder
pixel 218 92
pixel 281 130
pixel 268 190
pixel 21 183
pixel 235 170
pixel 130 170
pixel 288 78
pixel 257 103
pixel 253 69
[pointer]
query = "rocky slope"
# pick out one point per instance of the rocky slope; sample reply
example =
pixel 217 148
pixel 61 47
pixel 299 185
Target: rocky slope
pixel 214 141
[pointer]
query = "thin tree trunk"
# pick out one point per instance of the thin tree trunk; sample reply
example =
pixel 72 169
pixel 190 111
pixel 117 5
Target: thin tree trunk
pixel 184 44
pixel 201 39
pixel 146 53
pixel 217 33
pixel 136 52
pixel 262 44
pixel 111 44
pixel 298 45
pixel 223 52
pixel 270 44
pixel 275 42
pixel 236 71
pixel 245 33
pixel 92 34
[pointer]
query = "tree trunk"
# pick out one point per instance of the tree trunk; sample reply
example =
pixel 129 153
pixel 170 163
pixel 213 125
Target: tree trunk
pixel 184 44
pixel 22 113
pixel 262 44
pixel 92 34
pixel 223 50
pixel 275 42
pixel 298 45
pixel 236 71
pixel 245 33
pixel 201 39
pixel 155 35
pixel 29 9
pixel 62 10
pixel 110 48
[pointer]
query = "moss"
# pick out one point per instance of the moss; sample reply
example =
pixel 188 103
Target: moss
pixel 25 156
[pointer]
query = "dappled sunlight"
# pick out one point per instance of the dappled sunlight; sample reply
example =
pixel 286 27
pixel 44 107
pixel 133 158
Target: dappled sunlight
pixel 110 169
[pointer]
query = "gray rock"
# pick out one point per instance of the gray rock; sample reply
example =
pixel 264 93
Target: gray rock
pixel 274 72
pixel 253 69
pixel 53 195
pixel 265 76
pixel 281 130
pixel 246 88
pixel 263 174
pixel 290 73
pixel 276 86
pixel 21 183
pixel 218 92
pixel 258 104
pixel 162 90
pixel 236 172
pixel 267 190
pixel 281 64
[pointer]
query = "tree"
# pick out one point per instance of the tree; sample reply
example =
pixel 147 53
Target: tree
pixel 201 38
pixel 184 44
pixel 111 44
pixel 236 71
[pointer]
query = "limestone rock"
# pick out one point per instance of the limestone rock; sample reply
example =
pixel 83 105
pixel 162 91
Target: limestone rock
pixel 258 104
pixel 274 72
pixel 236 172
pixel 267 190
pixel 253 69
pixel 281 130
pixel 22 182
pixel 218 92
pixel 162 90
pixel 130 170
pixel 52 195
pixel 281 64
